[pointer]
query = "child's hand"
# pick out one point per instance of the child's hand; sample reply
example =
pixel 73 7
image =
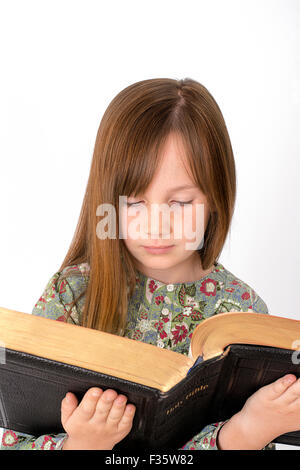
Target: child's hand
pixel 271 411
pixel 101 420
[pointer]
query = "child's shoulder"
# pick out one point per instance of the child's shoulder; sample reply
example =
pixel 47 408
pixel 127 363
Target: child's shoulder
pixel 80 269
pixel 64 287
pixel 73 277
pixel 237 293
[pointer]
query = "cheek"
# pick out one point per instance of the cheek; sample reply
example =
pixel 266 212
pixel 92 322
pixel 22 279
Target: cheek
pixel 132 223
pixel 194 220
pixel 199 217
pixel 124 220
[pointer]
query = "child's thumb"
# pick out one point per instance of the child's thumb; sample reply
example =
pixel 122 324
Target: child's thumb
pixel 282 384
pixel 68 405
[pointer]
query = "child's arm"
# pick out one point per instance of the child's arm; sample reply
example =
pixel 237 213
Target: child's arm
pixel 205 439
pixel 208 438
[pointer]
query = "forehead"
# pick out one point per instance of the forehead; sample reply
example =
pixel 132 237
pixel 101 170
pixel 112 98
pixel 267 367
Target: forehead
pixel 174 166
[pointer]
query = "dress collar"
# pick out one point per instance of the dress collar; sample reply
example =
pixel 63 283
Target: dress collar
pixel 143 279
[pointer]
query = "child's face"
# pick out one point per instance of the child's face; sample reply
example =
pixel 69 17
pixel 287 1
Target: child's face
pixel 161 231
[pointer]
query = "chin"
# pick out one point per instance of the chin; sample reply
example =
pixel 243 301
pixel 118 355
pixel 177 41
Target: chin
pixel 158 262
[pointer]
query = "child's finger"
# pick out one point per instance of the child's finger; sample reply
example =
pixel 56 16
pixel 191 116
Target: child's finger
pixel 277 388
pixel 104 405
pixel 68 405
pixel 87 406
pixel 127 417
pixel 292 393
pixel 117 410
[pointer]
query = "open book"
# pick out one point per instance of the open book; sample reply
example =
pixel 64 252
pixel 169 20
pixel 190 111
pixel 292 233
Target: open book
pixel 232 355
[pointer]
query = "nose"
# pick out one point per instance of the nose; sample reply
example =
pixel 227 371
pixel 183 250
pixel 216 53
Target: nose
pixel 157 223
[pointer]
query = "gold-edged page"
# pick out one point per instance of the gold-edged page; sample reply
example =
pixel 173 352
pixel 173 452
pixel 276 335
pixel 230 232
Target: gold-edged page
pixel 211 336
pixel 91 349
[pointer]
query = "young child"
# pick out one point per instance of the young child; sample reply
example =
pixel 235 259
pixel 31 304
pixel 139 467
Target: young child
pixel 160 141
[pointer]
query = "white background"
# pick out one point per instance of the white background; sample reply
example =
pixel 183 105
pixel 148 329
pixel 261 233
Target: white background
pixel 62 62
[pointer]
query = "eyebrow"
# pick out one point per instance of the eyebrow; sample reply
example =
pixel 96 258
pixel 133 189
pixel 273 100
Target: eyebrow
pixel 179 188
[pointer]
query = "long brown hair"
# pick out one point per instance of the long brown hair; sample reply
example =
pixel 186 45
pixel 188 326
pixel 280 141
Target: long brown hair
pixel 131 133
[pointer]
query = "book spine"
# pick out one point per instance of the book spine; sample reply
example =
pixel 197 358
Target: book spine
pixel 183 410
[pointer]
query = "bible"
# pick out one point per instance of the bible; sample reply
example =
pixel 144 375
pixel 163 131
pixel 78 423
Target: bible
pixel 231 356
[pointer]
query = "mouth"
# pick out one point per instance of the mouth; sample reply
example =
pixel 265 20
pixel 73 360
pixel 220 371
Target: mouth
pixel 158 249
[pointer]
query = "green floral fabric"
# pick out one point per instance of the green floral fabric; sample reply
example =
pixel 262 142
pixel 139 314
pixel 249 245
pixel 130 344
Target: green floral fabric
pixel 164 315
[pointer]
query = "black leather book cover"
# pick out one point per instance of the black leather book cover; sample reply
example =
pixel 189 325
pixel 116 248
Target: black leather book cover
pixel 31 390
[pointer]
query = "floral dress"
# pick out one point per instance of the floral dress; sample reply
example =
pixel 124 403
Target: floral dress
pixel 160 314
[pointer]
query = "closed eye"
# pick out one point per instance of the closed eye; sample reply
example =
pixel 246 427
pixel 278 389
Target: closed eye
pixel 182 203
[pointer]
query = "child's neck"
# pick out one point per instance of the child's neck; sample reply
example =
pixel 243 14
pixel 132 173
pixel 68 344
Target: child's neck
pixel 189 271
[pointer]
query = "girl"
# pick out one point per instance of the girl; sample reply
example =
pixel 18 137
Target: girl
pixel 160 141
